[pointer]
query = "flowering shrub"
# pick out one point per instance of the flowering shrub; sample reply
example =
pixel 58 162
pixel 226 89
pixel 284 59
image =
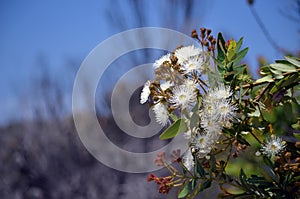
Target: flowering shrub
pixel 206 94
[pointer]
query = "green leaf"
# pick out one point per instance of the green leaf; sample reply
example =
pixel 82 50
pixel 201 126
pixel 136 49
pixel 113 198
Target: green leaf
pixel 177 127
pixel 195 117
pixel 199 169
pixel 201 186
pixel 186 189
pixel 267 78
pixel 231 49
pixel 240 55
pixel 297 136
pixel 268 173
pixel 234 190
pixel 256 113
pixel 293 61
pixel 221 48
pixel 213 163
pixel 285 82
pixel 239 44
pixel 174 117
pixel 243 177
pixel 265 70
pixel 283 67
pixel 287 179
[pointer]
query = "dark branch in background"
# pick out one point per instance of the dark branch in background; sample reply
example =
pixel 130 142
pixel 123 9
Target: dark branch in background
pixel 294 12
pixel 264 29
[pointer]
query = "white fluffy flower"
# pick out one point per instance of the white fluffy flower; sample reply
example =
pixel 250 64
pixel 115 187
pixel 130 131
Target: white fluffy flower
pixel 190 84
pixel 190 58
pixel 161 113
pixel 203 144
pixel 161 60
pixel 192 64
pixel 226 110
pixel 145 93
pixel 217 106
pixel 187 135
pixel 183 96
pixel 185 53
pixel 188 160
pixel 211 125
pixel 221 92
pixel 164 86
pixel 273 146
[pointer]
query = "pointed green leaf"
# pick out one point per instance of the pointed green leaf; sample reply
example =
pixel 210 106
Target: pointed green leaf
pixel 293 60
pixel 268 173
pixel 267 78
pixel 240 55
pixel 234 190
pixel 199 169
pixel 297 136
pixel 213 163
pixel 231 50
pixel 265 70
pixel 239 43
pixel 194 121
pixel 186 189
pixel 174 117
pixel 283 67
pixel 177 127
pixel 201 186
pixel 243 177
pixel 221 48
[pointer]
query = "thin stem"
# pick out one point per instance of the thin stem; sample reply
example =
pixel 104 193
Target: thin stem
pixel 228 157
pixel 255 137
pixel 260 83
pixel 263 91
pixel 186 169
pixel 265 31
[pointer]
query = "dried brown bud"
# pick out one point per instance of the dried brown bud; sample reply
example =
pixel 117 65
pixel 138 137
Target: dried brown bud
pixel 295 168
pixel 173 59
pixel 235 155
pixel 202 30
pixel 194 34
pixel 214 41
pixel 288 155
pixel 250 2
pixel 155 98
pixel 297 145
pixel 208 31
pixel 205 43
pixel 285 167
pixel 297 160
pixel 277 159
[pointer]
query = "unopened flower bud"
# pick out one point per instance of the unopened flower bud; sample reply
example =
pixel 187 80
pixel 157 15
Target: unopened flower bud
pixel 277 159
pixel 205 43
pixel 194 34
pixel 250 2
pixel 288 155
pixel 208 31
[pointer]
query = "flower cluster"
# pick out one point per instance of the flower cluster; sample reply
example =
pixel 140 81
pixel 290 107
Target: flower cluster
pixel 223 114
pixel 181 86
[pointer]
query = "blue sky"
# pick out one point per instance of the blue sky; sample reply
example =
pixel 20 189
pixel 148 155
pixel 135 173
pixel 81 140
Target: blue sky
pixel 62 30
